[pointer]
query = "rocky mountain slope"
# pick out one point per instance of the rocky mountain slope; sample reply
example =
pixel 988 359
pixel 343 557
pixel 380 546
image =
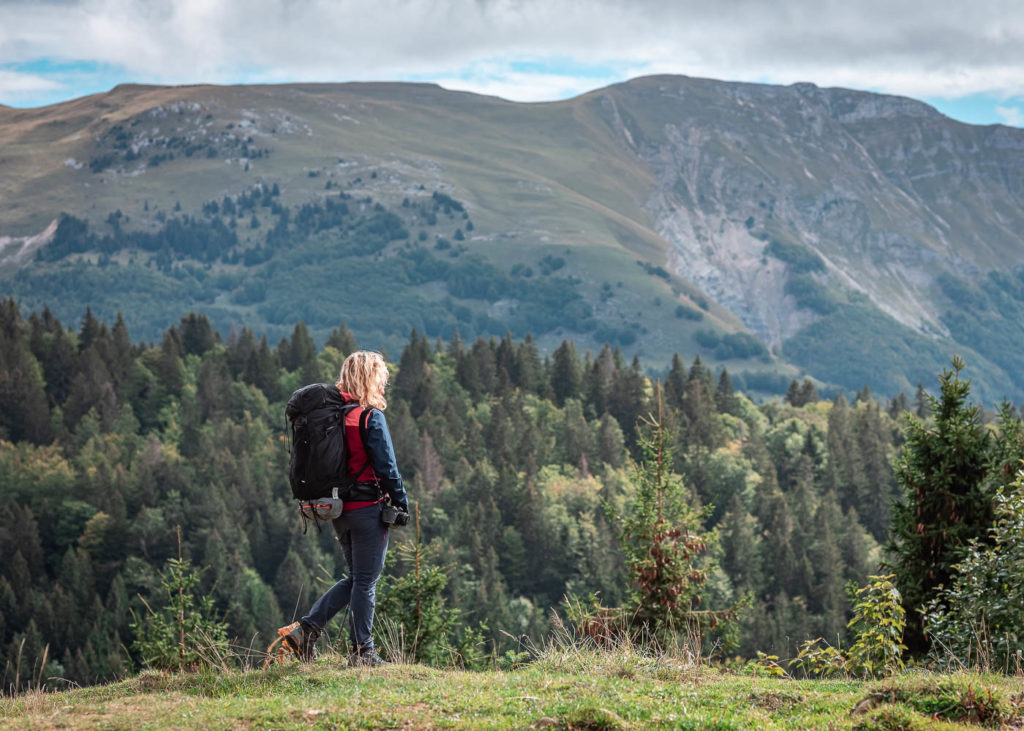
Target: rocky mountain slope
pixel 858 237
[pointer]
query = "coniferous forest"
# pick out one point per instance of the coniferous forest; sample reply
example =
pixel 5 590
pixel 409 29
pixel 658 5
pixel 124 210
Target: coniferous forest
pixel 517 463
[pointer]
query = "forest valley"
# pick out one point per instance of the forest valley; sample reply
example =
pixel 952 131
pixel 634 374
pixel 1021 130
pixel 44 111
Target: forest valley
pixel 124 465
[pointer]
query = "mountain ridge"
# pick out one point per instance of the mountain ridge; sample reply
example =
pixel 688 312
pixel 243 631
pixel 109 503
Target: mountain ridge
pixel 788 206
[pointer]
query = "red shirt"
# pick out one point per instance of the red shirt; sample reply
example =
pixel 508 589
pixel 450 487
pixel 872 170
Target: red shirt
pixel 359 465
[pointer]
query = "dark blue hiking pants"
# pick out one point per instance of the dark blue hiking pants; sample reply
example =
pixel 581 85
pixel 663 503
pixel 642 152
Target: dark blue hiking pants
pixel 364 541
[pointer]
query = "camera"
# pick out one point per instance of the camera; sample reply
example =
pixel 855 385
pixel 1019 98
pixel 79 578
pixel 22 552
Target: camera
pixel 391 515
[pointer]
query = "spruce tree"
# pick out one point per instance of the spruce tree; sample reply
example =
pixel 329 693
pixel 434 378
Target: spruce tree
pixel 942 472
pixel 342 340
pixel 530 368
pixel 675 383
pixel 725 398
pixel 597 380
pixel 876 489
pixel 661 542
pixel 197 335
pixel 566 373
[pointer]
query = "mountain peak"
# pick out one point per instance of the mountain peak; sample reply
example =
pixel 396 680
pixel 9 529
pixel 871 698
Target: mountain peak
pixel 685 213
pixel 849 105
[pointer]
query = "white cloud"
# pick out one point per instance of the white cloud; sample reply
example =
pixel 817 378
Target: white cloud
pixel 1013 116
pixel 14 85
pixel 525 87
pixel 944 48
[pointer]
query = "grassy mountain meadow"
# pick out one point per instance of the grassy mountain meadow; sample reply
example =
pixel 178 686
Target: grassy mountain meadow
pixel 858 238
pixel 581 691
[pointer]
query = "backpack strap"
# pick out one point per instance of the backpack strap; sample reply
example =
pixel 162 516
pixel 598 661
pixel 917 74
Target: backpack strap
pixel 364 419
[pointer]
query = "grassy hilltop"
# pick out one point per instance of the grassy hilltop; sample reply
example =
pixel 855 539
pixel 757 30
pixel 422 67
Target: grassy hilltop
pixel 566 691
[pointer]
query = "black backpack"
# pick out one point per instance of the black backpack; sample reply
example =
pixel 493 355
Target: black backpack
pixel 319 456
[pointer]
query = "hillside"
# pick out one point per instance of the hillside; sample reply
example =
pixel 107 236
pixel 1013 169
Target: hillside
pixel 858 237
pixel 583 693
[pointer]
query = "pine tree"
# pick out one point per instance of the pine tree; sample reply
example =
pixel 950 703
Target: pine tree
pixel 922 404
pixel 197 335
pixel 610 442
pixel 484 366
pixel 801 394
pixel 598 380
pixel 725 398
pixel 941 472
pixel 575 438
pixel 844 472
pixel 675 383
pixel 169 369
pixel 566 373
pixel 876 488
pixel 741 548
pixel 24 407
pixel 261 370
pixel 828 595
pixel 122 351
pixel 429 468
pixel 466 373
pixel 627 399
pixel 240 347
pixel 660 541
pixel 57 355
pixel 91 330
pixel 530 367
pixel 342 340
pixel 299 352
pixel 414 382
pixel 213 387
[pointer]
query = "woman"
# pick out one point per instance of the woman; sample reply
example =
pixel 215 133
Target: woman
pixel 362 535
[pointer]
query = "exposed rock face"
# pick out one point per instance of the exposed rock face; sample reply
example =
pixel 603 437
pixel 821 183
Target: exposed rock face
pixel 16 251
pixel 885 190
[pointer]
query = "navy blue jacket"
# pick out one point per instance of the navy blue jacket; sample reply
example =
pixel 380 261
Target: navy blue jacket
pixel 381 453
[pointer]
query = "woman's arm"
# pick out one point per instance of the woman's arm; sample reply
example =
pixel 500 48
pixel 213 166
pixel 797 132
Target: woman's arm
pixel 382 457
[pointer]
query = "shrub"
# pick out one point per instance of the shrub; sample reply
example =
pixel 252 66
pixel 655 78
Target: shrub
pixel 182 633
pixel 976 620
pixel 879 619
pixel 688 313
pixel 800 259
pixel 878 622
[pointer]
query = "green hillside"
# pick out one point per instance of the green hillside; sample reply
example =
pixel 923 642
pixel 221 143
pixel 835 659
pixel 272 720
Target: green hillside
pixel 761 227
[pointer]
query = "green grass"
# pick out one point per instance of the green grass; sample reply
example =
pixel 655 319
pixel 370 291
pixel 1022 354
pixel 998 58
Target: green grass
pixel 592 691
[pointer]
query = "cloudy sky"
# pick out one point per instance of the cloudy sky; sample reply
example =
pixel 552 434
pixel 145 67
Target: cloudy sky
pixel 964 56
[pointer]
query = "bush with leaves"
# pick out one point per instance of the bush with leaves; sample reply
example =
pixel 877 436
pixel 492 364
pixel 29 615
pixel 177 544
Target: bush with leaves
pixel 182 632
pixel 878 623
pixel 977 620
pixel 818 659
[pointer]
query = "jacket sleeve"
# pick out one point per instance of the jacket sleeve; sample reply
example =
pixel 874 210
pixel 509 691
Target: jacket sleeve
pixel 382 456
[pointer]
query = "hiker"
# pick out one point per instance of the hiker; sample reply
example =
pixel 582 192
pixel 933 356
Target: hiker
pixel 360 530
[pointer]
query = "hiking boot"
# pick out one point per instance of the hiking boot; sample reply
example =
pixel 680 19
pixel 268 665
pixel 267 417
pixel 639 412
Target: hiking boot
pixel 366 658
pixel 300 638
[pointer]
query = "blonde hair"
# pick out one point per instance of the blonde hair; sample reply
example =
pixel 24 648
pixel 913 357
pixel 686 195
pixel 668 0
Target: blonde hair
pixel 364 374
